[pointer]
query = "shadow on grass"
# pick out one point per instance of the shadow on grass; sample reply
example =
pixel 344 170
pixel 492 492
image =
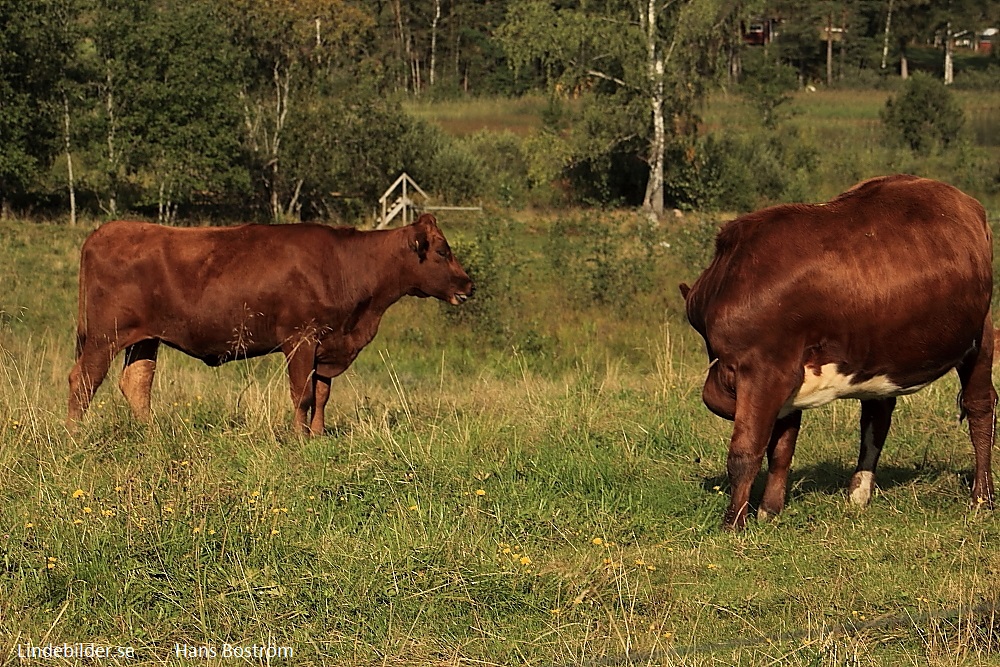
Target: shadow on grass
pixel 828 477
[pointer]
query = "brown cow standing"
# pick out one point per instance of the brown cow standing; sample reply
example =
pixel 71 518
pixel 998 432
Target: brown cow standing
pixel 872 295
pixel 313 292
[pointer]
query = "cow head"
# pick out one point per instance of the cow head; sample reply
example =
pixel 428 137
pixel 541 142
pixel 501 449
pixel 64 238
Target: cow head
pixel 436 272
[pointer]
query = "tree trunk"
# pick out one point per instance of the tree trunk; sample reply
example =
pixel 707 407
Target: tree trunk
pixel 829 51
pixel 434 36
pixel 949 64
pixel 653 201
pixel 69 162
pixel 885 40
pixel 843 44
pixel 113 155
pixel 282 86
pixel 904 67
pixel 402 40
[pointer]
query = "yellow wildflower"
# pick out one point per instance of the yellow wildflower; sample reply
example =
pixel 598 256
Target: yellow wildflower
pixel 87 510
pixel 597 541
pixel 79 493
pixel 480 492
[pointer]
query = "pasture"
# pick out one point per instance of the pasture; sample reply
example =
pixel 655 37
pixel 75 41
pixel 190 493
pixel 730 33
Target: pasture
pixel 531 479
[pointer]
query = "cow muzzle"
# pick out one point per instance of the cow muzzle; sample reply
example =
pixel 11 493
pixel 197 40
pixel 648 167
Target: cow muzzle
pixel 459 298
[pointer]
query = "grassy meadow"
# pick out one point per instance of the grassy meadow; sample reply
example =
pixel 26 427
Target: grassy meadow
pixel 528 479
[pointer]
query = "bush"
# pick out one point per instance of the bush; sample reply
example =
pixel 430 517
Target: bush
pixel 604 262
pixel 924 116
pixel 739 172
pixel 501 158
pixel 453 171
pixel 766 85
pixel 490 260
pixel 978 79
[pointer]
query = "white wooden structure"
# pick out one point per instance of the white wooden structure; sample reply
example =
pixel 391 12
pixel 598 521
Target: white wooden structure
pixel 406 203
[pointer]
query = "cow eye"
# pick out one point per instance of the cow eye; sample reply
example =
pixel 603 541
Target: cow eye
pixel 444 252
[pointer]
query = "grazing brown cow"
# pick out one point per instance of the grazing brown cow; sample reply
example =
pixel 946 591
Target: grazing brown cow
pixel 872 295
pixel 315 293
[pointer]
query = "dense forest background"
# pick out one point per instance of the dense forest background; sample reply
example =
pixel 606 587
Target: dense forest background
pixel 285 110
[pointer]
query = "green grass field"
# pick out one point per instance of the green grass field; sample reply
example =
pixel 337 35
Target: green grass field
pixel 530 480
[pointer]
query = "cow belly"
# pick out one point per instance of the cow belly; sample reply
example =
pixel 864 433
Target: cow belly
pixel 829 385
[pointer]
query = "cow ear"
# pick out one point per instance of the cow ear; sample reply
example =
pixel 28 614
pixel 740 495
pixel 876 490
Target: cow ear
pixel 684 290
pixel 420 244
pixel 426 219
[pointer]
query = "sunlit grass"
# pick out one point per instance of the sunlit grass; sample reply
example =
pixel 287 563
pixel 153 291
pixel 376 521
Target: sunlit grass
pixel 470 503
pixel 469 115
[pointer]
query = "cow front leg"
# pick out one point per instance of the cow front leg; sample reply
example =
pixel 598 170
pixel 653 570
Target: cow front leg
pixel 136 381
pixel 301 359
pixel 780 450
pixel 758 402
pixel 92 364
pixel 979 399
pixel 876 417
pixel 322 388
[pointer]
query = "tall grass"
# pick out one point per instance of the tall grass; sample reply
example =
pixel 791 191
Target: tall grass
pixel 473 501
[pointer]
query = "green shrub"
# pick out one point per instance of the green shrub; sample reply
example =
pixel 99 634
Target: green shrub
pixel 924 116
pixel 739 172
pixel 978 79
pixel 693 242
pixel 766 85
pixel 604 262
pixel 454 171
pixel 501 159
pixel 491 261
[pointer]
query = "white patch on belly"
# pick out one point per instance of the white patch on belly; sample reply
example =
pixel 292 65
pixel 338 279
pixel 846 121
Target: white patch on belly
pixel 829 385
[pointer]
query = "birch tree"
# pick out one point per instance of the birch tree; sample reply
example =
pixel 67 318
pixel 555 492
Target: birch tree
pixel 651 51
pixel 288 43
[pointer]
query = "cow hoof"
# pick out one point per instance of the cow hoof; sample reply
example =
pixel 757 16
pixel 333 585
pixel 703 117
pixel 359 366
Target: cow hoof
pixel 861 488
pixel 764 515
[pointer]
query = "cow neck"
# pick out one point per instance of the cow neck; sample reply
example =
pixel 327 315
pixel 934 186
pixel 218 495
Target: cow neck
pixel 387 284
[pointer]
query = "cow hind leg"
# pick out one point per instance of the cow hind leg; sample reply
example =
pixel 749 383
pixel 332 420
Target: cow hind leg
pixel 876 417
pixel 779 457
pixel 318 423
pixel 136 382
pixel 92 364
pixel 978 400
